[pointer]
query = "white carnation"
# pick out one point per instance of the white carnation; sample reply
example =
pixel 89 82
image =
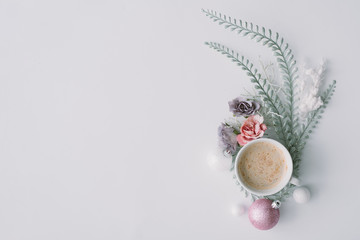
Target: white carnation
pixel 309 86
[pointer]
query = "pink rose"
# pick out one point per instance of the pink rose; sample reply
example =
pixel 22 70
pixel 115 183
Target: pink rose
pixel 252 128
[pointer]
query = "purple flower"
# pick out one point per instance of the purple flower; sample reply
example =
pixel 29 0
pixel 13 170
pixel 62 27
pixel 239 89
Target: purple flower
pixel 241 107
pixel 227 138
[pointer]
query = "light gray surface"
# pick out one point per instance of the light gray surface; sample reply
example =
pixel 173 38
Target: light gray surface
pixel 108 109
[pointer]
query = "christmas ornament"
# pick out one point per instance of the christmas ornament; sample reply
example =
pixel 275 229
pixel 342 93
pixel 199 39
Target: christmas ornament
pixel 217 160
pixel 264 214
pixel 238 210
pixel 301 195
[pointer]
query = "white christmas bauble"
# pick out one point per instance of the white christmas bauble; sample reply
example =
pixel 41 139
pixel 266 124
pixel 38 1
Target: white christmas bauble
pixel 301 195
pixel 238 210
pixel 217 161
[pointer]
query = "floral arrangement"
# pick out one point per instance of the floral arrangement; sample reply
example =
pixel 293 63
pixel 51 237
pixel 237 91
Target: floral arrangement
pixel 286 109
pixel 253 128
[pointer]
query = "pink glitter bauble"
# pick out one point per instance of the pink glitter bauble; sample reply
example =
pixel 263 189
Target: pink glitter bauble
pixel 262 215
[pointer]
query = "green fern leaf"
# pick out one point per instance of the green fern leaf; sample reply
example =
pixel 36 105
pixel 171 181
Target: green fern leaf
pixel 272 101
pixel 282 53
pixel 311 123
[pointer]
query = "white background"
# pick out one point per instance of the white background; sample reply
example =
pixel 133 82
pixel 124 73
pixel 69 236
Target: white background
pixel 109 108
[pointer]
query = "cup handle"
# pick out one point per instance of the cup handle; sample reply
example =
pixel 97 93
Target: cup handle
pixel 295 181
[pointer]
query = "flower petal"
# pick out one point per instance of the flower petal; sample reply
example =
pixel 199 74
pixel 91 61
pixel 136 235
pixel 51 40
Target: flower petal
pixel 241 140
pixel 257 127
pixel 261 133
pixel 258 118
pixel 250 119
pixel 256 106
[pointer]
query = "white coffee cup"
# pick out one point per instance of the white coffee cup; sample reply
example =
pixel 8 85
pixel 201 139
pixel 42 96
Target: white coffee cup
pixel 287 177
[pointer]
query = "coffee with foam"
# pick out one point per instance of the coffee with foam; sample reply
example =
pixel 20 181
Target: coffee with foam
pixel 262 166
